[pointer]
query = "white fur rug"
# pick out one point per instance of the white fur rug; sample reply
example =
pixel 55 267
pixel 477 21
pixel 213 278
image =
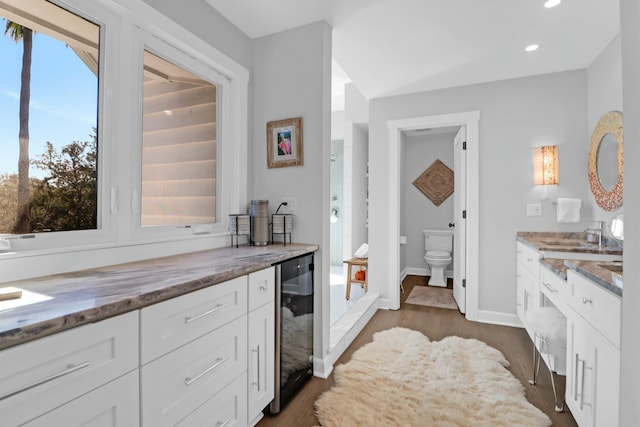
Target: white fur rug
pixel 403 379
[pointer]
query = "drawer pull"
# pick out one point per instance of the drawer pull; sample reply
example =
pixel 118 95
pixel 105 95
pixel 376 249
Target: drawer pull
pixel 70 369
pixel 582 385
pixel 206 313
pixel 548 286
pixel 264 287
pixel 223 424
pixel 586 301
pixel 257 351
pixel 189 380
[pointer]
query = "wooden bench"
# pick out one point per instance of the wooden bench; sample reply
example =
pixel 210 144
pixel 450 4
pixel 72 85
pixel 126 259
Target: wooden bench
pixel 362 264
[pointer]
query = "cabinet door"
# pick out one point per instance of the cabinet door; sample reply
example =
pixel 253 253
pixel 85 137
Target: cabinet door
pixel 520 298
pixel 178 383
pixel 262 287
pixel 228 408
pixel 606 393
pixel 170 324
pixel 261 358
pixel 577 373
pixel 41 375
pixel 112 405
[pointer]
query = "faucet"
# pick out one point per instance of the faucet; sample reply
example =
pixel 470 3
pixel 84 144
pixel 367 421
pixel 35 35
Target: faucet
pixel 599 231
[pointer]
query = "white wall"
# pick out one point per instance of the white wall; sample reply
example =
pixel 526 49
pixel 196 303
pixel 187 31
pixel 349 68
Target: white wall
pixel 208 24
pixel 291 78
pixel 337 125
pixel 417 212
pixel 356 157
pixel 604 93
pixel 630 368
pixel 515 116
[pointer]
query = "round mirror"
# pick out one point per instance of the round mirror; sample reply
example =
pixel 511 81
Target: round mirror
pixel 617 227
pixel 606 161
pixel 607 164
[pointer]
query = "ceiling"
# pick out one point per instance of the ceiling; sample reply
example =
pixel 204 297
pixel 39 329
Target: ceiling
pixel 390 47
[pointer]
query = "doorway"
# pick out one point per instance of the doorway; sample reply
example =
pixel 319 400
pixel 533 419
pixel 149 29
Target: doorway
pixel 425 199
pixel 339 249
pixel 471 122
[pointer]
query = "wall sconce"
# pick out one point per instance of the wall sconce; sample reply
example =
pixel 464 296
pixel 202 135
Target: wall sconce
pixel 545 165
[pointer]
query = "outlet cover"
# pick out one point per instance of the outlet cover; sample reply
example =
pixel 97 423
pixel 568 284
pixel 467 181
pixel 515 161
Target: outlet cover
pixel 534 209
pixel 292 206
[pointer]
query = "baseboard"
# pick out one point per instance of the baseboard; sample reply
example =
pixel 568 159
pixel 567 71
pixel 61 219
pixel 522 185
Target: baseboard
pixel 414 271
pixel 499 318
pixel 347 329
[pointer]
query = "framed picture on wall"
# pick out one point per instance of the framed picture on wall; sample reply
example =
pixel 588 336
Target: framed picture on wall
pixel 284 143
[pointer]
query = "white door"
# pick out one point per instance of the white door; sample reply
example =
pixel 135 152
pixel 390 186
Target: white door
pixel 459 230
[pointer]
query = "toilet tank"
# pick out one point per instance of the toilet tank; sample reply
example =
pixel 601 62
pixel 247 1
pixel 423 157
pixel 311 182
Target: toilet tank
pixel 438 240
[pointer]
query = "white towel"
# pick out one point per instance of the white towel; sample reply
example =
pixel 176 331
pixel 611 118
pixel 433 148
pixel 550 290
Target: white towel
pixel 569 210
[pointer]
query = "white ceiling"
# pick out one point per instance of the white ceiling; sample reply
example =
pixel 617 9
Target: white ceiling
pixel 389 47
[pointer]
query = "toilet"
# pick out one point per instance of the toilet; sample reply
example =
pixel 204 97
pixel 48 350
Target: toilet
pixel 438 245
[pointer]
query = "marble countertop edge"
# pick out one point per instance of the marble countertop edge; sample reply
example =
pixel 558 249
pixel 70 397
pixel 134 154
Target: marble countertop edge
pixel 90 296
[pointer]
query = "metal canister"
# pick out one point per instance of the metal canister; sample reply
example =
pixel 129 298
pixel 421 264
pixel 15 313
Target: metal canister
pixel 259 222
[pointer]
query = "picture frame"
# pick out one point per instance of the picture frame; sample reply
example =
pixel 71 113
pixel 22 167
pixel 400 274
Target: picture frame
pixel 284 143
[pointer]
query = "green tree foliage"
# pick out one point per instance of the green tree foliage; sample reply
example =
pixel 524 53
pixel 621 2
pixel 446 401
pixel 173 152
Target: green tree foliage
pixel 8 202
pixel 66 199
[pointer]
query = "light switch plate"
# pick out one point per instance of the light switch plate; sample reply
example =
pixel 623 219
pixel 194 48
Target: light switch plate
pixel 534 209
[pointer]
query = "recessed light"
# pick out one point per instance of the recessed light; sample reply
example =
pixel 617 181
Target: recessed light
pixel 551 3
pixel 531 47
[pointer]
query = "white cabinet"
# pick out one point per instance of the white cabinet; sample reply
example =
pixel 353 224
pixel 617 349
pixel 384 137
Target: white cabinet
pixel 170 324
pixel 261 342
pixel 178 383
pixel 44 374
pixel 192 346
pixel 261 359
pixel 553 288
pixel 527 281
pixel 203 358
pixel 112 405
pixel 227 408
pixel 593 353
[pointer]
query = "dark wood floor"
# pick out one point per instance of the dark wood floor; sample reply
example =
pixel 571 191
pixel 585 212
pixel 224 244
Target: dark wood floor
pixel 435 323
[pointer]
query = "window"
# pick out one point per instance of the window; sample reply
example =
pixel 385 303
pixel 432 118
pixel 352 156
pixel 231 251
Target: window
pixel 155 174
pixel 49 143
pixel 178 146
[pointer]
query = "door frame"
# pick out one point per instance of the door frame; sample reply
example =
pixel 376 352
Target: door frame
pixel 470 119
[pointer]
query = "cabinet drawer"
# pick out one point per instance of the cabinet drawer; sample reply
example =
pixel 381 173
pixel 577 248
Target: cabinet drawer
pixel 599 307
pixel 528 257
pixel 262 287
pixel 227 408
pixel 44 374
pixel 170 324
pixel 114 404
pixel 176 384
pixel 553 288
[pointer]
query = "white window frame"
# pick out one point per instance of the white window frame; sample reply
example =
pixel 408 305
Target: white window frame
pixel 120 239
pixel 106 230
pixel 168 52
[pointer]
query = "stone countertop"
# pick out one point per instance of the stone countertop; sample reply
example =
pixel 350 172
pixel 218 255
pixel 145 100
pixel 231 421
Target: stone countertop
pixel 595 272
pixel 566 242
pixel 77 298
pixel 557 266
